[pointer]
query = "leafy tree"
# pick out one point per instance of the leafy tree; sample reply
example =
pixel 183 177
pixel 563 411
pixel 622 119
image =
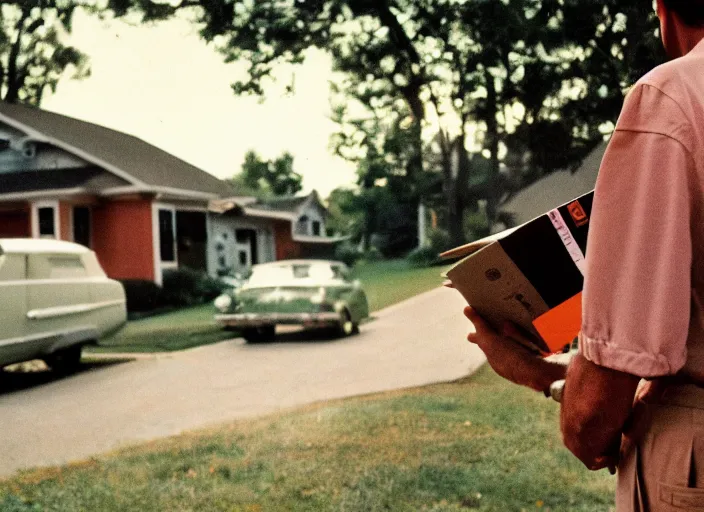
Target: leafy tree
pixel 540 79
pixel 33 54
pixel 382 144
pixel 265 178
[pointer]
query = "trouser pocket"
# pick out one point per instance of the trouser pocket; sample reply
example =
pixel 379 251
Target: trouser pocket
pixel 680 498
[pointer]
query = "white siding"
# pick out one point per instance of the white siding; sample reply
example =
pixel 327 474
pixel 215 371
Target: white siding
pixel 313 214
pixel 223 248
pixel 23 155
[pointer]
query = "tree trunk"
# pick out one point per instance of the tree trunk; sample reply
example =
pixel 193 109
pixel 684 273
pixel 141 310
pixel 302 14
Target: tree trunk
pixel 455 175
pixel 14 80
pixel 492 134
pixel 414 169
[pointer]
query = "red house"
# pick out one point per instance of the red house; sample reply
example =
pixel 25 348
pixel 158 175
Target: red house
pixel 139 208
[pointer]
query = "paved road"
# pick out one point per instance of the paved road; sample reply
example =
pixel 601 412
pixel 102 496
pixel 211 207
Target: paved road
pixel 56 421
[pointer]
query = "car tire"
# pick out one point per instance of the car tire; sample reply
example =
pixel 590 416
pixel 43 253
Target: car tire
pixel 346 327
pixel 65 361
pixel 264 334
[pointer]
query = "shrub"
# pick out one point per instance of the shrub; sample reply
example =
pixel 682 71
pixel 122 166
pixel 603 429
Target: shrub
pixel 142 296
pixel 423 257
pixel 347 253
pixel 372 254
pixel 188 287
pixel 439 240
pixel 428 255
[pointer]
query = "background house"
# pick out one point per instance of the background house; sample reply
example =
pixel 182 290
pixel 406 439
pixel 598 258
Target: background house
pixel 553 190
pixel 141 209
pixel 245 231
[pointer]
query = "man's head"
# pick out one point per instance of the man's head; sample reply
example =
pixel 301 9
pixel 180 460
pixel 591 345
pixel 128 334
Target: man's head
pixel 681 25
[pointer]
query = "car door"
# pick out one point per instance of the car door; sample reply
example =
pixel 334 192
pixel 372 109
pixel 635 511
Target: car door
pixel 57 294
pixel 13 318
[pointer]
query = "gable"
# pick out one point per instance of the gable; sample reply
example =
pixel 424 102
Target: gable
pixel 18 153
pixel 131 159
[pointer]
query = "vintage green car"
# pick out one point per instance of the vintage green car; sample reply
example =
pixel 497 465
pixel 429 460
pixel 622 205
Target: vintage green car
pixel 310 293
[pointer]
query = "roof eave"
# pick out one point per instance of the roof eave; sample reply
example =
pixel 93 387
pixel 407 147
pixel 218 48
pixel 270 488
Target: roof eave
pixel 39 194
pixel 174 193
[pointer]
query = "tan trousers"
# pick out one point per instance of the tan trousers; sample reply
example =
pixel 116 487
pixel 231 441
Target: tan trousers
pixel 662 455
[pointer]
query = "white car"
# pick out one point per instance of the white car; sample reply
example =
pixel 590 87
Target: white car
pixel 55 298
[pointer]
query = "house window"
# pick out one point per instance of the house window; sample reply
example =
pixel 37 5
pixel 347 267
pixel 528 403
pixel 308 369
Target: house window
pixel 47 222
pixel 81 225
pixel 302 226
pixel 316 228
pixel 167 236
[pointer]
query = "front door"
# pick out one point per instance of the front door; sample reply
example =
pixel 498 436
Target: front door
pixel 191 239
pixel 245 249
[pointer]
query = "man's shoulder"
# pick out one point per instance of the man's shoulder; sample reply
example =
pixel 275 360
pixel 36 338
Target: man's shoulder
pixel 655 103
pixel 671 78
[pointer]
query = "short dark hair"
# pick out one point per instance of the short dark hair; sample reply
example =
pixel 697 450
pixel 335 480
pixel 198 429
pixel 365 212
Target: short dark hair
pixel 691 11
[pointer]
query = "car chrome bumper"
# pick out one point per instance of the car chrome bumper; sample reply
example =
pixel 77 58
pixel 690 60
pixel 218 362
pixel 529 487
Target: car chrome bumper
pixel 259 319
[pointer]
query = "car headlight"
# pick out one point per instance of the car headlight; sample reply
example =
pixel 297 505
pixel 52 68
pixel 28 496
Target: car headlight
pixel 223 303
pixel 319 297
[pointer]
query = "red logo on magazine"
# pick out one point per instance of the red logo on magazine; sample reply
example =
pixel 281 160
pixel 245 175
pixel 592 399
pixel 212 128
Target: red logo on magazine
pixel 577 212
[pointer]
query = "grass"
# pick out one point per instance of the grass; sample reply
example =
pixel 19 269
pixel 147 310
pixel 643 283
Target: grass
pixel 476 444
pixel 389 282
pixel 385 282
pixel 177 330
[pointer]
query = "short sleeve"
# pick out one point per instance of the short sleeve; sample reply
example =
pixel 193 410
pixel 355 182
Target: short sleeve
pixel 637 289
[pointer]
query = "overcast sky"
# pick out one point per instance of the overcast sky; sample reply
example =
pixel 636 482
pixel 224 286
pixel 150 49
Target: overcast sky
pixel 163 84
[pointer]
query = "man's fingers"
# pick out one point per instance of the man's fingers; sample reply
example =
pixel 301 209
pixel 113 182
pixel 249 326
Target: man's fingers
pixel 448 284
pixel 474 317
pixel 511 331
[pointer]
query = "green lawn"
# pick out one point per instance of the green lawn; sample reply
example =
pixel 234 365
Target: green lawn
pixel 477 444
pixel 177 330
pixel 386 283
pixel 389 282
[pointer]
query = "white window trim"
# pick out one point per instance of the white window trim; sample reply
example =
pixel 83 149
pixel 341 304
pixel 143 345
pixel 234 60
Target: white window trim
pixel 160 266
pixel 35 217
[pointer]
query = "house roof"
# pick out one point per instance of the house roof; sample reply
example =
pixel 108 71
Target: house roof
pixel 281 208
pixel 89 179
pixel 289 204
pixel 555 189
pixel 141 165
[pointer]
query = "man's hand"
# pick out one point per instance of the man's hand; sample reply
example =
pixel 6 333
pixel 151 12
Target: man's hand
pixel 596 403
pixel 509 358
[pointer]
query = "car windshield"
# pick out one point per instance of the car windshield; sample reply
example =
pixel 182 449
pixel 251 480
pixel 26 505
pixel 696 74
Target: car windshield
pixel 297 274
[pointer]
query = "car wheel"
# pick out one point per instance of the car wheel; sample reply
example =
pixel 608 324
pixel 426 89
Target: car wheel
pixel 346 326
pixel 65 361
pixel 263 334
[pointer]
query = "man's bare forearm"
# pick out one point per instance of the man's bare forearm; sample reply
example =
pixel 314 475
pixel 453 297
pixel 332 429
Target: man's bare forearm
pixel 547 372
pixel 596 403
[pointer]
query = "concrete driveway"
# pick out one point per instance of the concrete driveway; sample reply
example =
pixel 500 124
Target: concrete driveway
pixel 52 422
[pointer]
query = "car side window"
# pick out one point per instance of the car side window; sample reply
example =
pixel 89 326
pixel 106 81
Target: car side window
pixel 65 267
pixel 301 271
